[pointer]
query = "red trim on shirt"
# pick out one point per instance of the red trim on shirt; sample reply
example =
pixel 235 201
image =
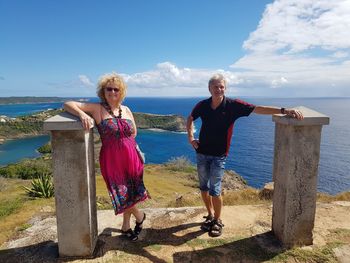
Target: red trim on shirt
pixel 195 109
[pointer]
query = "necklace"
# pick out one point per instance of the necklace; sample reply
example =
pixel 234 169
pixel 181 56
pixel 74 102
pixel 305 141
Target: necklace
pixel 109 110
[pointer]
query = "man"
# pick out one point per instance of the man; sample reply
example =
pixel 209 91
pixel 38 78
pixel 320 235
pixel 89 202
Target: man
pixel 218 114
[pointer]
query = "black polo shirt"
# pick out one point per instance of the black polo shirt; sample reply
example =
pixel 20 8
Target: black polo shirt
pixel 217 125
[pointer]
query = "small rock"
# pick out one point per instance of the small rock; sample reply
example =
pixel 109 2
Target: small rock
pixel 267 191
pixel 342 203
pixel 342 253
pixel 47 209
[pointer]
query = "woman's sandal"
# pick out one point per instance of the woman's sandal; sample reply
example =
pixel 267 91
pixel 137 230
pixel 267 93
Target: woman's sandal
pixel 130 234
pixel 138 226
pixel 216 228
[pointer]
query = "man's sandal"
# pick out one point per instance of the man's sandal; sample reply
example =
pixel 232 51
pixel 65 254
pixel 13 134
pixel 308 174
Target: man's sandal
pixel 130 234
pixel 206 225
pixel 216 228
pixel 138 226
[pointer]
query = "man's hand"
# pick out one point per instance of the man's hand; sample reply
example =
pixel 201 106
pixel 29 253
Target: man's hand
pixel 195 144
pixel 294 114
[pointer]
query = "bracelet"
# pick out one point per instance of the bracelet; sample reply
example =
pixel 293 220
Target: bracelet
pixel 283 110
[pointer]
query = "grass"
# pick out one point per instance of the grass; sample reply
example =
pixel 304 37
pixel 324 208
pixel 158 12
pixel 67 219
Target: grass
pixel 24 227
pixel 154 247
pixel 244 197
pixel 163 184
pixel 170 186
pixel 8 207
pixel 11 199
pixel 326 198
pixel 16 208
pixel 234 249
pixel 336 238
pixel 238 248
pixel 206 243
pixel 18 221
pixel 321 254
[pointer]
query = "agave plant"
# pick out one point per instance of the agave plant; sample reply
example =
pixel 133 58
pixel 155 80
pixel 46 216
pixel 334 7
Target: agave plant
pixel 42 187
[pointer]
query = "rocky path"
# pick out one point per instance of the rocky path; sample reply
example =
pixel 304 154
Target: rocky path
pixel 173 235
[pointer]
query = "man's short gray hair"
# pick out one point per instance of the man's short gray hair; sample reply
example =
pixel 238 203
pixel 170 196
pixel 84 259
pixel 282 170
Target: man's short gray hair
pixel 217 77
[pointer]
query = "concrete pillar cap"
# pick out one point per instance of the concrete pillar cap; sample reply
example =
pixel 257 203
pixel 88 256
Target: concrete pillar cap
pixel 63 122
pixel 311 117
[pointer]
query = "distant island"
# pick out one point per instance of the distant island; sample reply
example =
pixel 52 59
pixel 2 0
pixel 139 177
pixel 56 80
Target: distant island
pixel 171 122
pixel 31 99
pixel 31 125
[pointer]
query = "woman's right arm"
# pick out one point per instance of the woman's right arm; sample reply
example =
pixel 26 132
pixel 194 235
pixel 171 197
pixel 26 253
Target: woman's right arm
pixel 82 110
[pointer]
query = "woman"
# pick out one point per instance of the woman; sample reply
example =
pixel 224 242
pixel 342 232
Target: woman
pixel 120 162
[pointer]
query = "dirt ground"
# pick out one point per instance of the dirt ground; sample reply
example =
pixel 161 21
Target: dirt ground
pixel 173 235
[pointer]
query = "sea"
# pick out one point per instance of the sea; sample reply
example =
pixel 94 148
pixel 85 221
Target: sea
pixel 251 152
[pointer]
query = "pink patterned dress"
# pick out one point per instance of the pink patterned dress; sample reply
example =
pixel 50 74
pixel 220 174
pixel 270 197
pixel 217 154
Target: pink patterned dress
pixel 121 166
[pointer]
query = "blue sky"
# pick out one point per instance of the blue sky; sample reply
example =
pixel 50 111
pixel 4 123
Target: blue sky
pixel 282 48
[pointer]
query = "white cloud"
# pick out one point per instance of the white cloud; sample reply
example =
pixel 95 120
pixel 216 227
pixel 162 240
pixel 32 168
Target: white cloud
pixel 307 42
pixel 340 54
pixel 297 26
pixel 300 48
pixel 85 81
pixel 79 86
pixel 167 79
pixel 276 83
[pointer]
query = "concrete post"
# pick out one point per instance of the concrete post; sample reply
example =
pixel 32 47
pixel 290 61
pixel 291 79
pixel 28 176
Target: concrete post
pixel 295 170
pixel 75 188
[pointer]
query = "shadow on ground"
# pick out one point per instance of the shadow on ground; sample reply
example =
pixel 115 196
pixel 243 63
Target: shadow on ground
pixel 44 252
pixel 257 248
pixel 150 237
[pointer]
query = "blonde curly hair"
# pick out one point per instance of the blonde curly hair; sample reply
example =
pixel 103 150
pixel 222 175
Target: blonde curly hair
pixel 108 79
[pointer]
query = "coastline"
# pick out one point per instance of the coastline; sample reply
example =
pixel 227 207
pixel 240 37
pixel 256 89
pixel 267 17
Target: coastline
pixel 31 125
pixel 252 141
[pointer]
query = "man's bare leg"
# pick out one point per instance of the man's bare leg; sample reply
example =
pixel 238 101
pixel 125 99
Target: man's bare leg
pixel 207 199
pixel 217 205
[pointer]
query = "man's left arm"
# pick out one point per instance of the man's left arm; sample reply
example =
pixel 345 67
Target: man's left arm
pixel 276 110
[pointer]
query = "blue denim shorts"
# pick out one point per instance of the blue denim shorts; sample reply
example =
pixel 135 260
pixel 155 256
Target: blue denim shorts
pixel 210 173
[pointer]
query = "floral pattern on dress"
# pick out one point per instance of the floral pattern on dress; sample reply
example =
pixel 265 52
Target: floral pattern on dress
pixel 120 164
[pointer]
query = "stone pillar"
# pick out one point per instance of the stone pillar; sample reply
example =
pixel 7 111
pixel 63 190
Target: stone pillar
pixel 295 170
pixel 75 188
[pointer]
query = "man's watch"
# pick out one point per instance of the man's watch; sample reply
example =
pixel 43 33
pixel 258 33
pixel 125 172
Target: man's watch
pixel 283 110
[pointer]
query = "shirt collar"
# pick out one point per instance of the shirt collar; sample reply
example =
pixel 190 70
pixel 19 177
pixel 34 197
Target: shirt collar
pixel 222 104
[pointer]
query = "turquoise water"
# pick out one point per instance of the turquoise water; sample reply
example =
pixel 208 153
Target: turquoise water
pixel 14 150
pixel 251 153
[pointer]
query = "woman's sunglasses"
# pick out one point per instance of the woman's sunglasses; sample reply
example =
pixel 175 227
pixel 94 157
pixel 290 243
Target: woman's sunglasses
pixel 109 89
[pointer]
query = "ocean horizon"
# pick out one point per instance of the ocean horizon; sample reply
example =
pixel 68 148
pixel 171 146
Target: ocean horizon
pixel 251 152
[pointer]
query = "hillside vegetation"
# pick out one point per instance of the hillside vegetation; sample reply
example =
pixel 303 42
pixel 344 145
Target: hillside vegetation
pixel 31 125
pixel 155 121
pixel 30 99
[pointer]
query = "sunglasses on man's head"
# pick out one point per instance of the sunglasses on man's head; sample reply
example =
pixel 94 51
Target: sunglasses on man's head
pixel 109 89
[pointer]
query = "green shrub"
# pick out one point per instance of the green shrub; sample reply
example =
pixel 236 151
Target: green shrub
pixel 46 148
pixel 27 169
pixel 42 187
pixel 180 164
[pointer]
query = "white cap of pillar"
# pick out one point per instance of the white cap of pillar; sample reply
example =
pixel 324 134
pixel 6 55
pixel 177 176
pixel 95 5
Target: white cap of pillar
pixel 63 122
pixel 311 117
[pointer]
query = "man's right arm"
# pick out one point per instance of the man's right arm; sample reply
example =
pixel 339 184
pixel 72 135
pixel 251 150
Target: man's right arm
pixel 189 127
